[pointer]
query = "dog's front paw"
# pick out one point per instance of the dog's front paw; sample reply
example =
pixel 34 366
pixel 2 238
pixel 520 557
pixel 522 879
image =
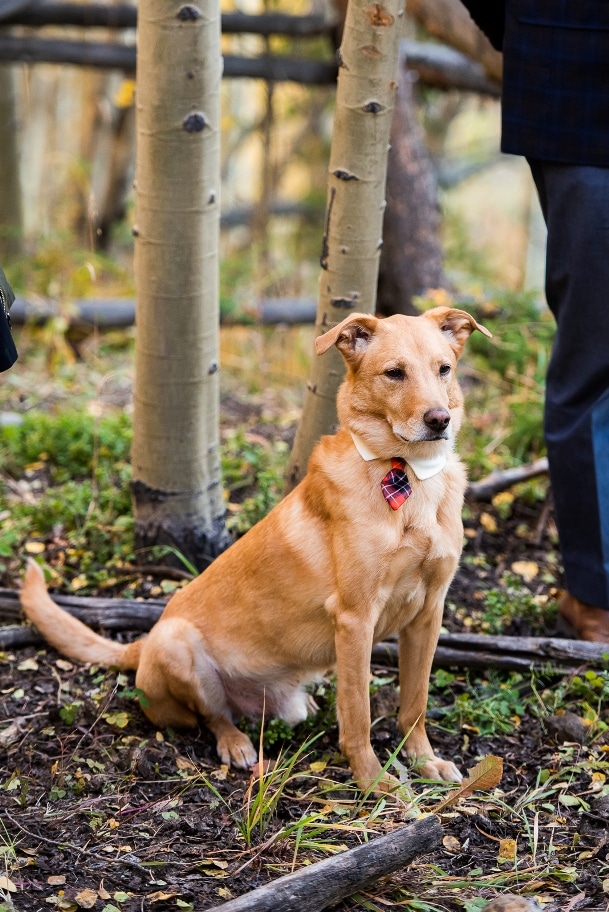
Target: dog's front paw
pixel 441 770
pixel 236 749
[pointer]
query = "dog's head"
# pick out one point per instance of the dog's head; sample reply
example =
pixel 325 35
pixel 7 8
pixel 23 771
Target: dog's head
pixel 401 392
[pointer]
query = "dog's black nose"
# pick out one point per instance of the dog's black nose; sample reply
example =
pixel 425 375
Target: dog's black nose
pixel 436 419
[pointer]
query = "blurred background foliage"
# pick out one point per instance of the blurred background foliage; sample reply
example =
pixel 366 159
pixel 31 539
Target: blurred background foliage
pixel 65 407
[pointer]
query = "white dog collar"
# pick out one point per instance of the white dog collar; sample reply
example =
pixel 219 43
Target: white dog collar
pixel 423 466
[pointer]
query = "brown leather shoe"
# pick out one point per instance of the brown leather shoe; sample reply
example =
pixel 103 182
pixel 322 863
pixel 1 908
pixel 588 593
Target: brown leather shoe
pixel 588 622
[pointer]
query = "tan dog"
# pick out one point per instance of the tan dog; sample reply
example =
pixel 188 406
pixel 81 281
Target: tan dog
pixel 331 570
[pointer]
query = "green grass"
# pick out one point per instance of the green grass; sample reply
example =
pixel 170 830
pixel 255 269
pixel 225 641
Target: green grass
pixel 67 483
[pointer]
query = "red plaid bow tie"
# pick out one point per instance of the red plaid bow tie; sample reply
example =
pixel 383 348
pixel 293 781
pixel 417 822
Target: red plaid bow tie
pixel 395 486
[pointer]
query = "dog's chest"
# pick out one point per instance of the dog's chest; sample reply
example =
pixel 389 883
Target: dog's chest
pixel 421 544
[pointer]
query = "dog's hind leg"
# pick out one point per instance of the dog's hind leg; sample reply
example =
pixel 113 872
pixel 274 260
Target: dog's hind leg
pixel 296 706
pixel 182 685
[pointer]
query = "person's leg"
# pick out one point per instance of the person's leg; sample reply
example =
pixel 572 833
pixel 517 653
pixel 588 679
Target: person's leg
pixel 575 203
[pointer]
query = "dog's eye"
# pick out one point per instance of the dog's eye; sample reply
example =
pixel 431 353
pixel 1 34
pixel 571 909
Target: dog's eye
pixel 395 373
pixel 444 370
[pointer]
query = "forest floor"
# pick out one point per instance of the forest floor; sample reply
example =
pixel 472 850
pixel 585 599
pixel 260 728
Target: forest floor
pixel 98 810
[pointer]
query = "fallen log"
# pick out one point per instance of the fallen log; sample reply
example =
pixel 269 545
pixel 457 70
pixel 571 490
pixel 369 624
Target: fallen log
pixel 105 613
pixel 470 650
pixel 445 68
pixel 326 882
pixel 114 56
pixel 459 649
pixel 119 313
pixel 503 479
pixel 124 16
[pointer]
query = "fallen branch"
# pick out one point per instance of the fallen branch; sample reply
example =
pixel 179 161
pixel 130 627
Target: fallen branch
pixel 119 16
pixel 503 479
pixel 104 314
pixel 444 68
pixel 477 650
pixel 461 649
pixel 104 613
pixel 326 882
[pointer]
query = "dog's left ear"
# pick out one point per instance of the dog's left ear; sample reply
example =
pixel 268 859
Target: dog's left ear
pixel 351 336
pixel 456 324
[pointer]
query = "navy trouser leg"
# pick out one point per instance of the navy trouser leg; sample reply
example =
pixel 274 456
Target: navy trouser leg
pixel 575 203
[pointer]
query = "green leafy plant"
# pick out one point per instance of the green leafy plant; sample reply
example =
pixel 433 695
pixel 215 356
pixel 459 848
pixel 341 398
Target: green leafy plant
pixel 486 707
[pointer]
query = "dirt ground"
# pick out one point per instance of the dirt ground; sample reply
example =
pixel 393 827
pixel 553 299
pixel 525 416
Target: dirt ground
pixel 99 810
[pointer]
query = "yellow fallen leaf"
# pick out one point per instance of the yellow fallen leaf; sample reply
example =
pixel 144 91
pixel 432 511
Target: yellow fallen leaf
pixel 186 765
pixel 507 850
pixel 56 880
pixel 159 896
pixel 528 570
pixel 67 905
pixel 28 665
pixel 220 774
pixel 79 582
pixel 451 844
pixel 488 523
pixel 317 766
pixel 35 547
pixel 64 665
pixel 7 884
pixel 86 899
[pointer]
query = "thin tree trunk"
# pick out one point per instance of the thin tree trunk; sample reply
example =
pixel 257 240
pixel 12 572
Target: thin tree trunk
pixel 176 459
pixel 11 214
pixel 365 95
pixel 411 261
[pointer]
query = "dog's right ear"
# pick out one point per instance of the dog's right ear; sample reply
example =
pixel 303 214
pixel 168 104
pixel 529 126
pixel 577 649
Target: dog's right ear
pixel 351 336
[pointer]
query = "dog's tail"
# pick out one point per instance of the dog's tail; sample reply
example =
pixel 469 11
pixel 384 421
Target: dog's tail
pixel 66 633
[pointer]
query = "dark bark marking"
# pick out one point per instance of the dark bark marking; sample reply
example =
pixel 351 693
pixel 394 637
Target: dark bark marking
pixel 194 123
pixel 345 303
pixel 373 107
pixel 325 249
pixel 189 13
pixel 345 175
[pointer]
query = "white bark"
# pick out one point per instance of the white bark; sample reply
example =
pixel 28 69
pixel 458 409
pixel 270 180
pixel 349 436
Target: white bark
pixel 176 461
pixel 365 96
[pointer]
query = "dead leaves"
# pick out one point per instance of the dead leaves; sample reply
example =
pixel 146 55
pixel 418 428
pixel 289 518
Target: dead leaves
pixel 483 776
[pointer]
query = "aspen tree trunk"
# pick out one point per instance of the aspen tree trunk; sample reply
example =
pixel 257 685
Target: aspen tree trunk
pixel 365 94
pixel 411 260
pixel 176 462
pixel 11 213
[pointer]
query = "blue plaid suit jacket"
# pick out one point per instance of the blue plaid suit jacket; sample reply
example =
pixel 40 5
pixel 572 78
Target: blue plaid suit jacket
pixel 555 78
